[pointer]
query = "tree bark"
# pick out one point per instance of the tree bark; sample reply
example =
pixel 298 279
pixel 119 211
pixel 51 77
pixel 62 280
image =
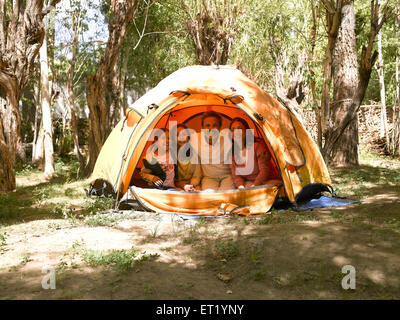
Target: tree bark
pixel 122 80
pixel 333 18
pixel 292 95
pixel 395 144
pixel 114 97
pixel 36 126
pixel 20 40
pixel 346 105
pixel 9 126
pixel 345 77
pixel 76 29
pixel 97 85
pixel 38 153
pixel 379 66
pixel 46 111
pixel 212 29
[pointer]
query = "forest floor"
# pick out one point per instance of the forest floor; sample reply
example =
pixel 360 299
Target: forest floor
pixel 99 254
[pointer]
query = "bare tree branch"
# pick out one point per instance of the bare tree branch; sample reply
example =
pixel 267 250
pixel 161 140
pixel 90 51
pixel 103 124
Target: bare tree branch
pixel 50 7
pixel 3 33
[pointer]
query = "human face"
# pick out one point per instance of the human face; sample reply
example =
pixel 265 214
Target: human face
pixel 211 124
pixel 238 131
pixel 163 142
pixel 181 142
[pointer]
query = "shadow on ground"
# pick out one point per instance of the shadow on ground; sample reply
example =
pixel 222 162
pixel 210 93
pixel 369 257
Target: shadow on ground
pixel 283 255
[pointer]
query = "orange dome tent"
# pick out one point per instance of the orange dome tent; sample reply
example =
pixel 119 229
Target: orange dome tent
pixel 182 97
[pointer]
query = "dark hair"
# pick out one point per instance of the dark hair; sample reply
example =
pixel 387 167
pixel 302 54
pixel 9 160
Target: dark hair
pixel 175 128
pixel 242 121
pixel 235 147
pixel 181 125
pixel 162 129
pixel 212 114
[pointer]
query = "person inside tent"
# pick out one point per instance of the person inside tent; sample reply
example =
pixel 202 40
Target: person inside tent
pixel 250 158
pixel 213 154
pixel 188 175
pixel 158 168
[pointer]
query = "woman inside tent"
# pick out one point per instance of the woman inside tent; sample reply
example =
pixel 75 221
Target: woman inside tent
pixel 188 175
pixel 158 167
pixel 250 159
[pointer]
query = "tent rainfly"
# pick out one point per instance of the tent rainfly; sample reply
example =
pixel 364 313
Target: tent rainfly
pixel 183 97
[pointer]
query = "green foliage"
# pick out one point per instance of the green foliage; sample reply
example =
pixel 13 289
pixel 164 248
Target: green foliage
pixel 25 169
pixel 8 206
pixel 104 219
pixel 227 249
pixel 163 49
pixel 117 259
pixel 3 238
pixel 97 205
pixel 26 258
pixel 259 274
pixel 284 217
pixel 68 168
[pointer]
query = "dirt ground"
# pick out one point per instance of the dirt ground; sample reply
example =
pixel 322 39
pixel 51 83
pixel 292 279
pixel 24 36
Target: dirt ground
pixel 280 255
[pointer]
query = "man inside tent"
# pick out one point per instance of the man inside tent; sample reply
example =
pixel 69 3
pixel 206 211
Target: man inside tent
pixel 214 154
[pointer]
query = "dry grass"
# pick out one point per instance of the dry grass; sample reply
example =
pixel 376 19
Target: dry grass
pixel 283 255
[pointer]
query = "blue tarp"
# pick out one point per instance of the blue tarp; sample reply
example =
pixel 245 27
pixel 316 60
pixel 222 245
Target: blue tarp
pixel 325 202
pixel 322 202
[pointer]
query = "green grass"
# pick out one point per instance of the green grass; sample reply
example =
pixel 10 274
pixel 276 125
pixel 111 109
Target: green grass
pixel 26 258
pixel 37 197
pixel 374 174
pixel 283 218
pixel 24 169
pixel 259 274
pixel 226 249
pixel 118 259
pixel 107 219
pixel 97 204
pixel 3 241
pixel 57 198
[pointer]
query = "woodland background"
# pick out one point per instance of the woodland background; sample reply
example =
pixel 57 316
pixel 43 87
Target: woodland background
pixel 68 69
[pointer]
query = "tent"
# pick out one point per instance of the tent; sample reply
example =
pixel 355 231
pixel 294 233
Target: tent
pixel 183 96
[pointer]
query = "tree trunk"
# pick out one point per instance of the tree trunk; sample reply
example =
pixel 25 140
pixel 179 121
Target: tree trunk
pixel 212 29
pixel 345 77
pixel 95 93
pixel 76 28
pixel 96 90
pixel 46 111
pixel 395 140
pixel 333 18
pixel 21 36
pixel 291 96
pixel 396 114
pixel 38 152
pixel 122 81
pixel 379 67
pixel 315 10
pixel 114 97
pixel 341 140
pixel 9 126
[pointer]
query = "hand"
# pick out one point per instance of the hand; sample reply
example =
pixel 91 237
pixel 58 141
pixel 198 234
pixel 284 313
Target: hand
pixel 241 187
pixel 189 188
pixel 157 181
